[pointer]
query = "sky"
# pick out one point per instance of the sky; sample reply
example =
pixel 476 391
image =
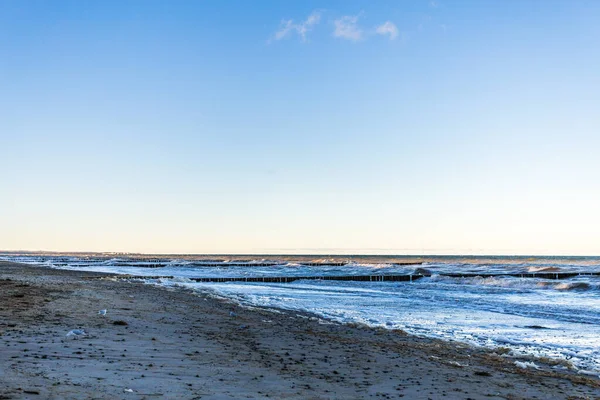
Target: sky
pixel 334 127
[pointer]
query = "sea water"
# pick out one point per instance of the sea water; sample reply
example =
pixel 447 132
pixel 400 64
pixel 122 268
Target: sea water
pixel 530 316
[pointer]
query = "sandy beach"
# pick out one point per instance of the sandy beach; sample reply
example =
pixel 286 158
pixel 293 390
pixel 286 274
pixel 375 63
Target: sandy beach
pixel 173 344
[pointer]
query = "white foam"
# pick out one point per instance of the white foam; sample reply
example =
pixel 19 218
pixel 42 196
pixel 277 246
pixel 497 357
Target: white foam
pixel 526 364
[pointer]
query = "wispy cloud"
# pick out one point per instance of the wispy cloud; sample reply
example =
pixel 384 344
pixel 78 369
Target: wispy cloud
pixel 387 28
pixel 346 28
pixel 434 4
pixel 288 27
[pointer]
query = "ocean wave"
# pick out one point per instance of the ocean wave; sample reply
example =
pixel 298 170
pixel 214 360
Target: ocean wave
pixel 422 271
pixel 517 283
pixel 543 269
pixel 574 286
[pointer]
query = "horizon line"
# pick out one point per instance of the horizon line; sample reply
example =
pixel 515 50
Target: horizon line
pixel 319 253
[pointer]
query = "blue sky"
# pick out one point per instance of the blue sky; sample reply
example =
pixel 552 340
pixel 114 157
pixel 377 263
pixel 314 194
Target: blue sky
pixel 336 127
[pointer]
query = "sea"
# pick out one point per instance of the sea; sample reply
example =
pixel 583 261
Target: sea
pixel 529 306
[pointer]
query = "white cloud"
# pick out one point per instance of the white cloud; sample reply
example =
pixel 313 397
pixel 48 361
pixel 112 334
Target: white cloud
pixel 286 28
pixel 388 28
pixel 434 4
pixel 346 28
pixel 301 28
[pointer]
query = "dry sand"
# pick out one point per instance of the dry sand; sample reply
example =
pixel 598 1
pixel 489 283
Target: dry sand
pixel 179 345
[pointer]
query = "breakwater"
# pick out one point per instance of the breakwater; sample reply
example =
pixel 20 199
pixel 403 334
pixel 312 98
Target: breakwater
pixel 369 278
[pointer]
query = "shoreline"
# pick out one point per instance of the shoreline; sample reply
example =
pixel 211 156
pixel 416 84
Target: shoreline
pixel 179 344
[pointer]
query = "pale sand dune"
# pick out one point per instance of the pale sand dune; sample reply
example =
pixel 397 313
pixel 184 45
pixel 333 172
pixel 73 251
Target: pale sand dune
pixel 177 345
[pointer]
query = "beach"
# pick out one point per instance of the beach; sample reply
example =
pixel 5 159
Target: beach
pixel 171 343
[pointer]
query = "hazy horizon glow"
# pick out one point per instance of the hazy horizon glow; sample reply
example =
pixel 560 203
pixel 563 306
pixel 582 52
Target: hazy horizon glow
pixel 452 127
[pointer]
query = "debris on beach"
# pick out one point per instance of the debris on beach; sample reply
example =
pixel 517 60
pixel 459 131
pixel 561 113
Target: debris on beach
pixel 526 364
pixel 535 327
pixel 75 333
pixel 120 322
pixel 102 312
pixel 587 372
pixel 456 363
pixel 128 390
pixel 232 314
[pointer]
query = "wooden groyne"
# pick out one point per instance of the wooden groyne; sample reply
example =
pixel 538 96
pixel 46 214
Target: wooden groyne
pixel 288 279
pixel 370 278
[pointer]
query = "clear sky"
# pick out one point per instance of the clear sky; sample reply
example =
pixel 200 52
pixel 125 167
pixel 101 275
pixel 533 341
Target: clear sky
pixel 300 126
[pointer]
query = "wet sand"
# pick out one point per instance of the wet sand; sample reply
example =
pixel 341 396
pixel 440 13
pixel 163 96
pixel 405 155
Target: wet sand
pixel 156 343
